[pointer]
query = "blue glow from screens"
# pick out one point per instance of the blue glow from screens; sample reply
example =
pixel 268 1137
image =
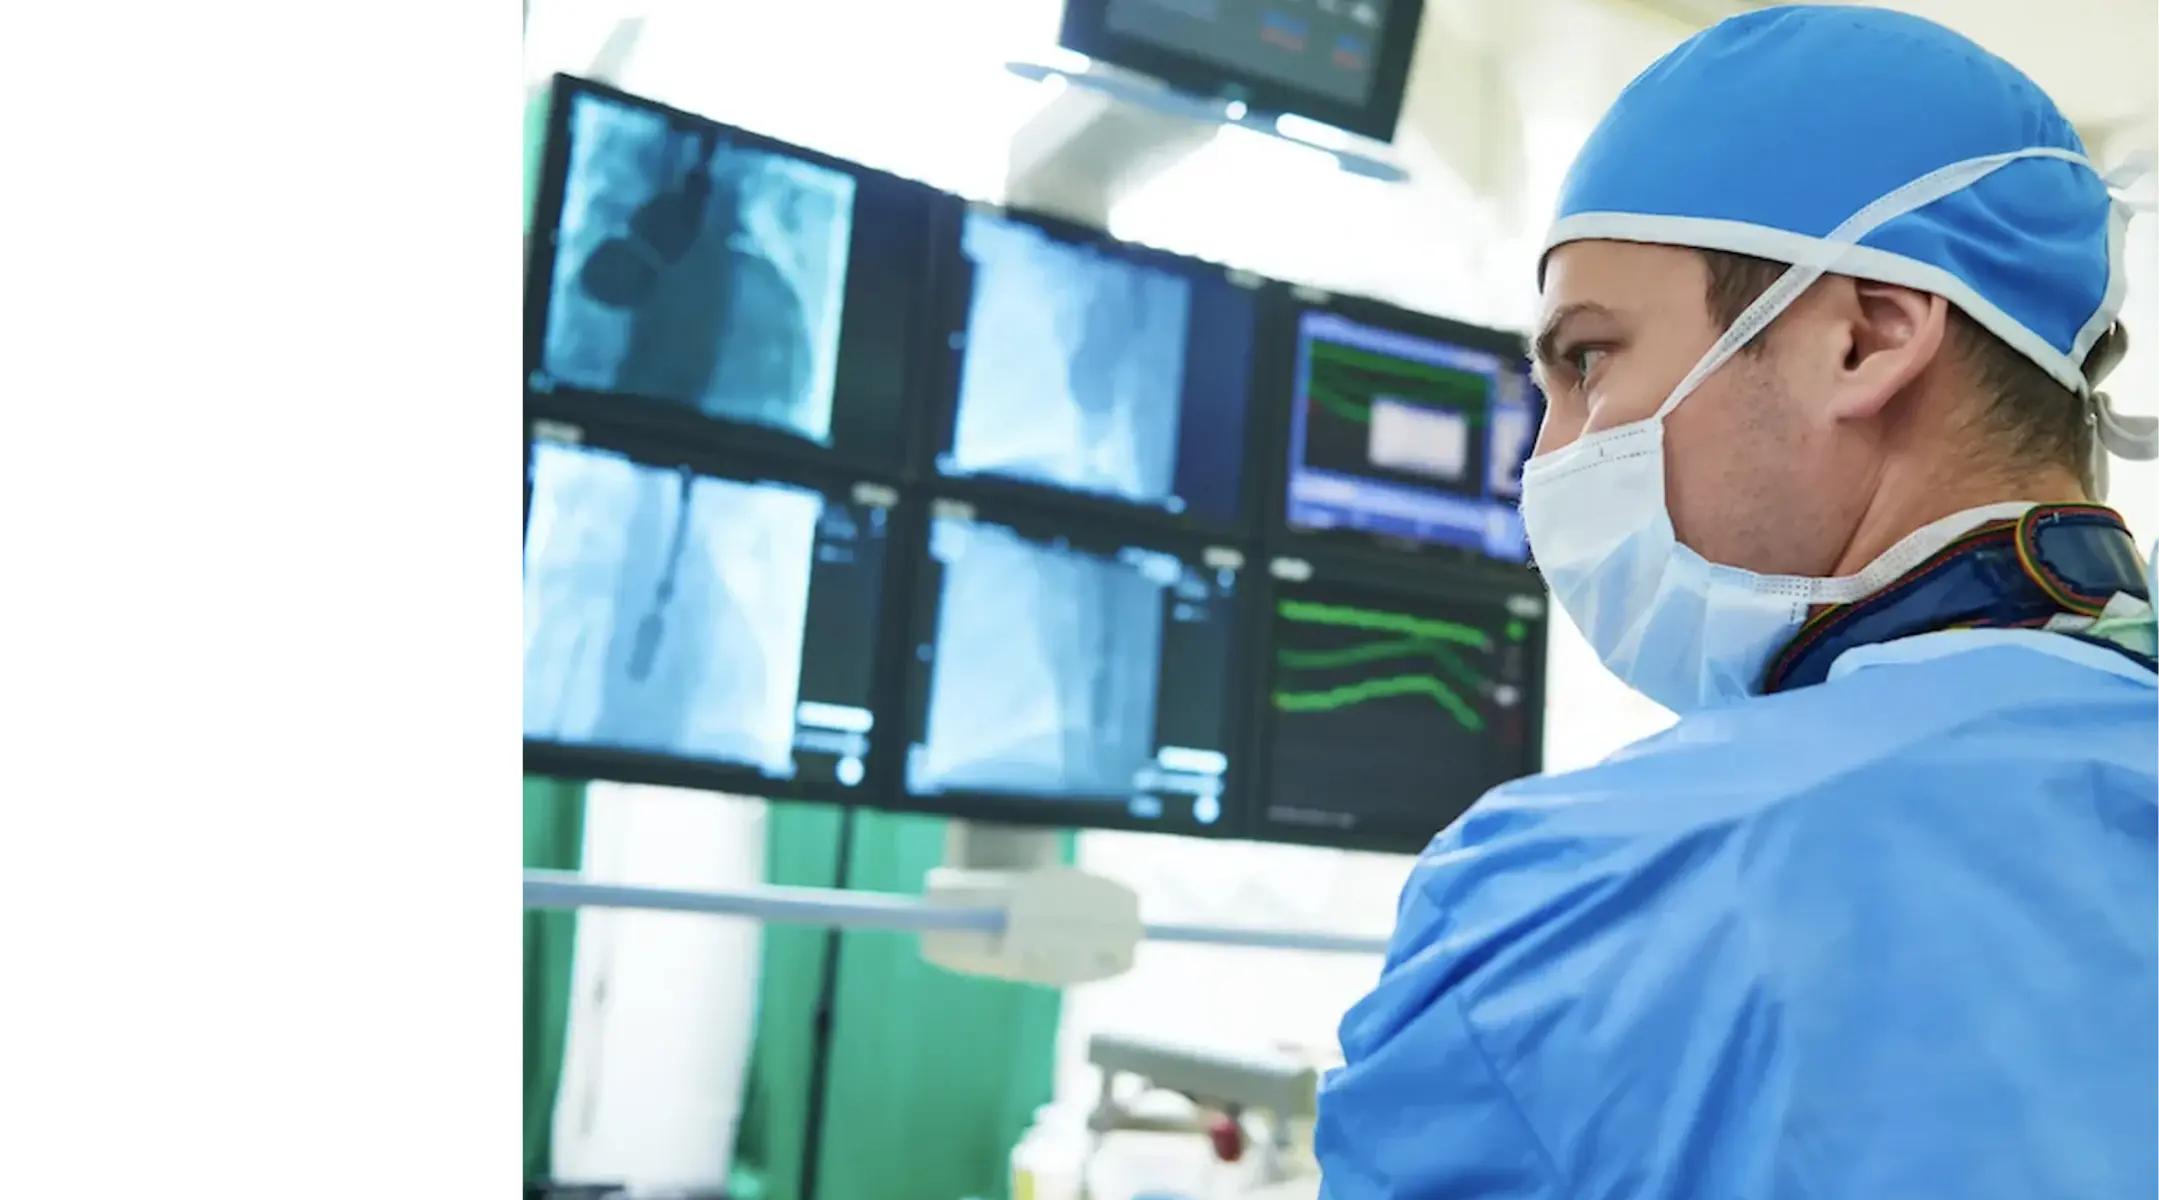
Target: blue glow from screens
pixel 698 273
pixel 1074 368
pixel 1325 49
pixel 664 611
pixel 1396 434
pixel 1059 672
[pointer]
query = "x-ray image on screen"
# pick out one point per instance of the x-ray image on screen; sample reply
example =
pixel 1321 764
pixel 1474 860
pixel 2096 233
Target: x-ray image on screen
pixel 1046 661
pixel 697 272
pixel 664 610
pixel 1074 366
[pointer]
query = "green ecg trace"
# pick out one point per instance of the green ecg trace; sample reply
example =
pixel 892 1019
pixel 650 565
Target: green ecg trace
pixel 1367 652
pixel 1350 656
pixel 1311 612
pixel 1381 689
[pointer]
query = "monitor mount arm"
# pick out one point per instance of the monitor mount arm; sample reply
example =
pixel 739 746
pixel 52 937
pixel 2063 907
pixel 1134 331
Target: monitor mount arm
pixel 1003 905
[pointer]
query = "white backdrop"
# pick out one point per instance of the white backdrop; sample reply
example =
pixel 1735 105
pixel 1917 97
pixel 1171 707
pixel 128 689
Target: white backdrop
pixel 662 1005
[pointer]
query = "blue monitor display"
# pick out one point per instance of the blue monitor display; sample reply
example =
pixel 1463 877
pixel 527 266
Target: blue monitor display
pixel 1406 436
pixel 1101 369
pixel 1087 671
pixel 699 272
pixel 1328 48
pixel 690 617
pixel 694 274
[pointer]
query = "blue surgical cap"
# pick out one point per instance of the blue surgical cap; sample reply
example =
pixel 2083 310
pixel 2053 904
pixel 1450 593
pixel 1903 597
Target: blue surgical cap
pixel 1766 132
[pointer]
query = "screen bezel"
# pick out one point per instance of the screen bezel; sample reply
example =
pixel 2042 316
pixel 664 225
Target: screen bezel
pixel 954 292
pixel 1022 808
pixel 564 402
pixel 1086 29
pixel 878 788
pixel 1280 395
pixel 1412 580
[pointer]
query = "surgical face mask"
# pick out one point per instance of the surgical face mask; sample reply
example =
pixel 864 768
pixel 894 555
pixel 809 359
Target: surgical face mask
pixel 1686 632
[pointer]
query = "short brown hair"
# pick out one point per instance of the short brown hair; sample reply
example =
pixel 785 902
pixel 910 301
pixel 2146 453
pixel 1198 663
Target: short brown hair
pixel 2034 419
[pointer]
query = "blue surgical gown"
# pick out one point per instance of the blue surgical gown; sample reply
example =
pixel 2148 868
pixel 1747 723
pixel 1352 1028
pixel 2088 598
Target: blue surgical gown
pixel 1889 936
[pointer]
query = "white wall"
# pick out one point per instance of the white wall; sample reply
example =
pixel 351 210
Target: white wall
pixel 661 1004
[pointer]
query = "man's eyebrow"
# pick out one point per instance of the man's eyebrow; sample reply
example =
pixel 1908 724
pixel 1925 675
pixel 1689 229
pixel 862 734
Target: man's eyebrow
pixel 1546 345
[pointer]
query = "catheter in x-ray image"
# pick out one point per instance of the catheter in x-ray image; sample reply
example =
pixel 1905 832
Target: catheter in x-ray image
pixel 663 610
pixel 699 272
pixel 1074 367
pixel 1045 668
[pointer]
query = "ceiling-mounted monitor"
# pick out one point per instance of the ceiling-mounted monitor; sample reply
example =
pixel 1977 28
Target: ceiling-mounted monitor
pixel 1094 368
pixel 1341 62
pixel 1405 431
pixel 712 282
pixel 694 623
pixel 1072 672
pixel 1393 700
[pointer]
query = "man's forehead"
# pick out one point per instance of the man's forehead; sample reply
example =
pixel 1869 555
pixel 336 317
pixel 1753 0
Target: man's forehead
pixel 1619 275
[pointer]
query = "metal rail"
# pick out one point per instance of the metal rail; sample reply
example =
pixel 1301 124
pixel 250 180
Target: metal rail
pixel 880 910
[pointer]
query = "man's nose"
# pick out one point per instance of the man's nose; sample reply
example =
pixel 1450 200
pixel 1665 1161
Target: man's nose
pixel 1554 434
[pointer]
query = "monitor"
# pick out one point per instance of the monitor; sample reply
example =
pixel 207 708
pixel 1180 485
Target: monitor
pixel 1403 433
pixel 1389 710
pixel 694 627
pixel 1070 677
pixel 1099 369
pixel 1342 62
pixel 698 276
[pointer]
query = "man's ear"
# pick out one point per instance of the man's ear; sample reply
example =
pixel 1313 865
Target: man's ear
pixel 1896 333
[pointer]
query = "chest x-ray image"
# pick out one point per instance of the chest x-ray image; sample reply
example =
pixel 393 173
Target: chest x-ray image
pixel 664 610
pixel 698 272
pixel 1045 668
pixel 1074 365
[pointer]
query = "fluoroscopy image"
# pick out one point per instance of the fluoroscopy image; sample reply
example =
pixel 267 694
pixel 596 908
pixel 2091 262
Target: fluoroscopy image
pixel 664 610
pixel 1074 367
pixel 696 272
pixel 1045 668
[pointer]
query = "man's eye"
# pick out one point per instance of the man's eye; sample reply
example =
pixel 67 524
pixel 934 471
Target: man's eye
pixel 1583 360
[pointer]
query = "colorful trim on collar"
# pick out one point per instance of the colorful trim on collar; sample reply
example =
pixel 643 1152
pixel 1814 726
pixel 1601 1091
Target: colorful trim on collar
pixel 1996 576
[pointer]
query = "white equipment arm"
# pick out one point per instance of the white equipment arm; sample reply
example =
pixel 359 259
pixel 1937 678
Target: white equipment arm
pixel 1050 925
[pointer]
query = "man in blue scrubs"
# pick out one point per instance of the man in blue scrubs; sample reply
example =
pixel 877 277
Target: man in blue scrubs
pixel 1824 314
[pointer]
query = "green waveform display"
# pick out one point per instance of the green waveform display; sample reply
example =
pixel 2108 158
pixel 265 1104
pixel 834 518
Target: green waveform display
pixel 1365 691
pixel 1344 379
pixel 1369 652
pixel 1310 612
pixel 1421 638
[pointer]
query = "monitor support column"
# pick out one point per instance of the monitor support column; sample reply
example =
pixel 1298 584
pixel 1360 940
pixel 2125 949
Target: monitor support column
pixel 1085 151
pixel 972 846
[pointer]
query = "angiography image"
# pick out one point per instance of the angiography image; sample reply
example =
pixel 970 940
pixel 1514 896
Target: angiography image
pixel 1074 368
pixel 664 610
pixel 697 272
pixel 1045 669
